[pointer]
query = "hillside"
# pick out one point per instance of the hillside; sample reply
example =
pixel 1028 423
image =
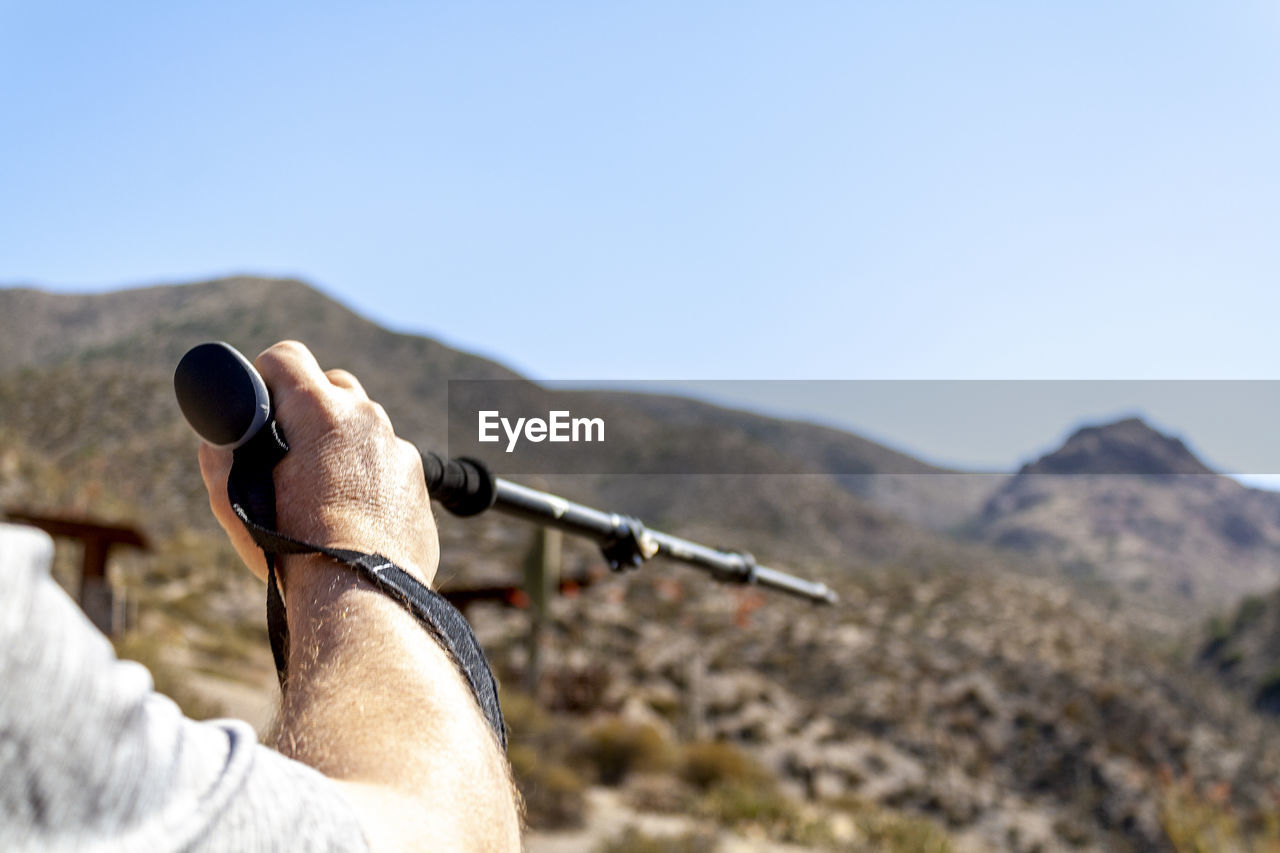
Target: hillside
pixel 1127 507
pixel 923 494
pixel 1242 648
pixel 962 694
pixel 104 364
pixel 1010 713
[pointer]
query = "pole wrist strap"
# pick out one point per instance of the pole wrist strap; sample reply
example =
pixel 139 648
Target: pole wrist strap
pixel 251 490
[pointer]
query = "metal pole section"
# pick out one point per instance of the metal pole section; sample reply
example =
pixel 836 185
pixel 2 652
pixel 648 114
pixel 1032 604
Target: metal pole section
pixel 225 400
pixel 544 508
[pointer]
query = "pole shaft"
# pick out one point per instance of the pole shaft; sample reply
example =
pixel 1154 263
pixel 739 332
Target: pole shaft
pixel 544 508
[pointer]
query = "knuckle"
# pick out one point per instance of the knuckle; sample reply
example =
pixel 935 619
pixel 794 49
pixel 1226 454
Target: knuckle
pixel 283 351
pixel 406 449
pixel 307 406
pixel 282 359
pixel 375 412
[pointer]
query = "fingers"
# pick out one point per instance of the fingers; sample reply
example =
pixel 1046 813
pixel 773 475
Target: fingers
pixel 215 467
pixel 342 379
pixel 316 409
pixel 289 366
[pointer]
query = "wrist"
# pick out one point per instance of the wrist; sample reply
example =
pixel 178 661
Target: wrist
pixel 325 601
pixel 329 606
pixel 320 575
pixel 318 588
pixel 313 581
pixel 411 542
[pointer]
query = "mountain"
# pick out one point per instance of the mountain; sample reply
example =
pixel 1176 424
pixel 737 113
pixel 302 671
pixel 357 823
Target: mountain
pixel 1127 446
pixel 1127 506
pixel 959 687
pixel 103 364
pixel 936 498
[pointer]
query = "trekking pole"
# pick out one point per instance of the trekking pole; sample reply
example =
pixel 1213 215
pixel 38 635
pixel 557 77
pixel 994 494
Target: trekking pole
pixel 226 401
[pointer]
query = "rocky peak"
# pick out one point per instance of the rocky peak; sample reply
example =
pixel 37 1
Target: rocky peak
pixel 1127 446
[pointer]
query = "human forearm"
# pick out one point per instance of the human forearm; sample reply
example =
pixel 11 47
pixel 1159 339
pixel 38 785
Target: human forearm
pixel 373 700
pixel 370 699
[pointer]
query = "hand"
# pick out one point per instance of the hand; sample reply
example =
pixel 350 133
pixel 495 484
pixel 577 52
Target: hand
pixel 347 481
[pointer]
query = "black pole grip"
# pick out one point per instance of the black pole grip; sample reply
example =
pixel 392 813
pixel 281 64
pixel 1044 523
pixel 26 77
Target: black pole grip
pixel 224 399
pixel 221 395
pixel 463 486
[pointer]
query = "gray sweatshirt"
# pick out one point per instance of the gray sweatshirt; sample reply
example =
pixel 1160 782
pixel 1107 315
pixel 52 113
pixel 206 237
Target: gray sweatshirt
pixel 93 759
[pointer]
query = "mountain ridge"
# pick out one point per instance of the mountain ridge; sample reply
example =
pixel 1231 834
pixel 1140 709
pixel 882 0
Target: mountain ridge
pixel 1127 505
pixel 123 345
pixel 107 359
pixel 956 681
pixel 1125 446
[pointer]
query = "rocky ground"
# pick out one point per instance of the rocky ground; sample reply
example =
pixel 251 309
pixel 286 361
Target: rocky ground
pixel 999 707
pixel 958 706
pixel 946 703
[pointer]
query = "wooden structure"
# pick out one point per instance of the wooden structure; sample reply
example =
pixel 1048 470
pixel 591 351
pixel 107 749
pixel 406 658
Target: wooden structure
pixel 513 594
pixel 99 602
pixel 542 570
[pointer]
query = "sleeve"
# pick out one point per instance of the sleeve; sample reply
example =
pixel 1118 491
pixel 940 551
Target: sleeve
pixel 92 758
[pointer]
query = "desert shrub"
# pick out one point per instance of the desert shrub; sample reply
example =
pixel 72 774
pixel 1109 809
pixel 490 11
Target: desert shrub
pixel 906 833
pixel 633 840
pixel 762 806
pixel 666 705
pixel 1217 632
pixel 618 747
pixel 539 752
pixel 736 803
pixel 737 791
pixel 1267 697
pixel 525 720
pixel 1230 659
pixel 1200 824
pixel 659 792
pixel 890 831
pixel 553 793
pixel 706 764
pixel 1251 609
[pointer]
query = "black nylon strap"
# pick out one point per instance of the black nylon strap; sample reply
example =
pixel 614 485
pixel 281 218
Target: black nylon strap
pixel 251 490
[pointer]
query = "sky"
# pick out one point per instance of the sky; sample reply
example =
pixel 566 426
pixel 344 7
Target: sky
pixel 677 191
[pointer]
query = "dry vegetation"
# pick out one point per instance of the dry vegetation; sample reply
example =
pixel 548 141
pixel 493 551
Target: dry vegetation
pixel 955 700
pixel 962 710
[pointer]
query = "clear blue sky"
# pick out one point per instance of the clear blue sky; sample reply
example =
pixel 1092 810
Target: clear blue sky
pixel 678 190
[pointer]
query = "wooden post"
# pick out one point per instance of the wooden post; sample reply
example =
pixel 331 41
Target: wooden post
pixel 541 582
pixel 98 600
